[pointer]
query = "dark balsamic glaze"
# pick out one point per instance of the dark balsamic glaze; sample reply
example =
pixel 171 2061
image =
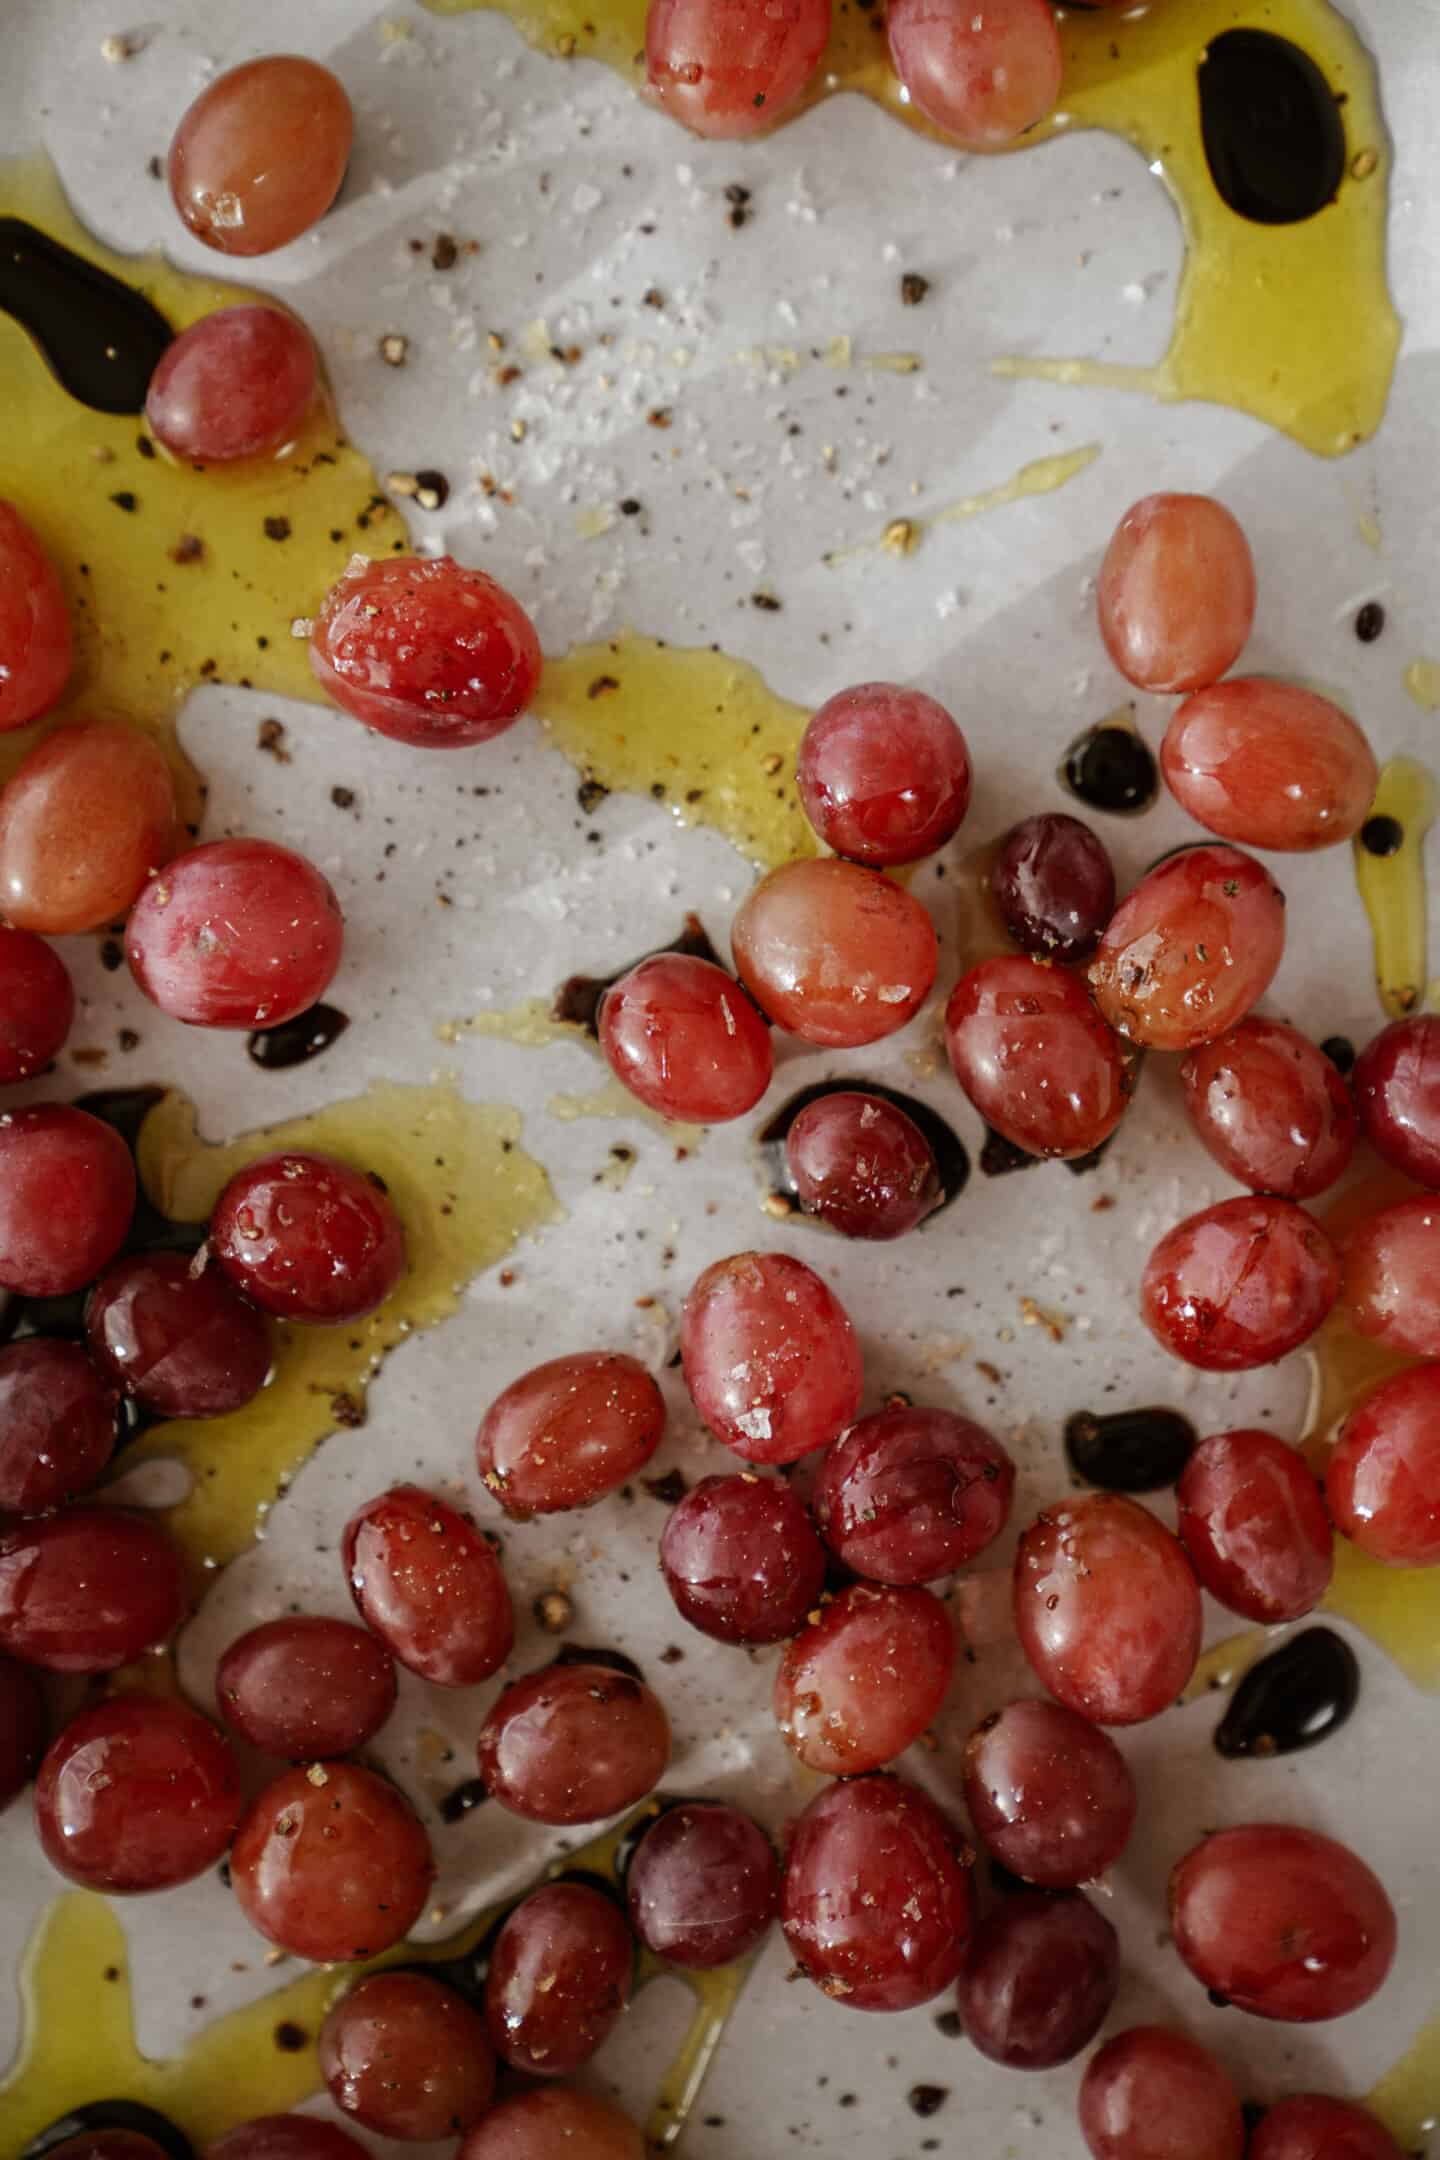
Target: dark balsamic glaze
pixel 100 339
pixel 296 1041
pixel 1111 767
pixel 578 998
pixel 612 1660
pixel 1273 135
pixel 952 1162
pixel 1369 622
pixel 463 1799
pixel 1340 1051
pixel 112 2115
pixel 1296 1697
pixel 1129 1450
pixel 999 1156
pixel 1382 836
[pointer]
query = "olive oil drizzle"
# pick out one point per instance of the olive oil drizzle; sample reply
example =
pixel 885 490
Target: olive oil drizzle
pixel 1392 882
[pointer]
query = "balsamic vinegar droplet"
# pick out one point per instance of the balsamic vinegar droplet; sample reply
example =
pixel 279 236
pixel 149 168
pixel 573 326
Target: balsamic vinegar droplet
pixel 1296 1697
pixel 1382 836
pixel 1273 136
pixel 951 1159
pixel 296 1041
pixel 1110 767
pixel 1129 1450
pixel 112 2115
pixel 100 339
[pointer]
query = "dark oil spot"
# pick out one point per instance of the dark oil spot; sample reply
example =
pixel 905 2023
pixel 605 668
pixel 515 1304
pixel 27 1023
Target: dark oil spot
pixel 1293 1699
pixel 1129 1451
pixel 1340 1051
pixel 100 338
pixel 111 2115
pixel 999 1156
pixel 1274 139
pixel 669 1488
pixel 613 1660
pixel 463 1799
pixel 296 1041
pixel 1110 767
pixel 927 2099
pixel 1382 836
pixel 1369 622
pixel 578 998
pixel 952 1162
pixel 290 2038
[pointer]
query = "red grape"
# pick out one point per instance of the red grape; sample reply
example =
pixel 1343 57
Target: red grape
pixel 982 75
pixel 865 1678
pixel 286 2137
pixel 1053 886
pixel 686 1040
pixel 88 1590
pixel 106 2144
pixel 57 1424
pixel 37 1004
pixel 331 1863
pixel 1191 949
pixel 1107 1608
pixel 876 1903
pixel 834 952
pixel 1269 764
pixel 574 1744
pixel 88 816
pixel 22 1727
pixel 1038 1980
pixel 1255 1526
pixel 168 1329
pixel 1383 1477
pixel 909 1493
pixel 551 2121
pixel 1271 1108
pixel 430 1586
pixel 568 1431
pixel 235 934
pixel 67 1192
pixel 1034 1056
pixel 1150 2094
pixel 862 1165
pixel 1282 1922
pixel 1240 1284
pixel 308 1238
pixel 741 1559
pixel 770 1356
pixel 734 68
pixel 35 644
pixel 260 155
pixel 236 384
pixel 137 1794
pixel 306 1687
pixel 703 1886
pixel 1308 2126
pixel 1048 1793
pixel 426 651
pixel 1390 1285
pixel 884 774
pixel 1397 1093
pixel 559 1977
pixel 407 2056
pixel 1177 592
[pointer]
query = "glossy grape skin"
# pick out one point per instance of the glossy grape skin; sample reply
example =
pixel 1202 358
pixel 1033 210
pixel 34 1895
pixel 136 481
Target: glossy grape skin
pixel 1282 1922
pixel 861 1165
pixel 883 774
pixel 308 1238
pixel 1053 886
pixel 865 1678
pixel 703 1886
pixel 1255 1527
pixel 1176 595
pixel 1397 1094
pixel 37 1005
pixel 35 644
pixel 983 76
pixel 1049 1794
pixel 88 816
pixel 732 69
pixel 426 651
pixel 23 1726
pixel 176 1338
pixel 1271 1108
pixel 430 1586
pixel 333 1870
pixel 1269 765
pixel 686 1040
pixel 559 1978
pixel 835 953
pixel 235 934
pixel 407 2057
pixel 236 384
pixel 1191 949
pixel 876 1902
pixel 89 1589
pixel 1310 2126
pixel 1239 1284
pixel 1038 1980
pixel 550 2122
pixel 568 1431
pixel 909 1493
pixel 57 1424
pixel 1390 1285
pixel 1107 1608
pixel 306 1687
pixel 1034 1056
pixel 286 2137
pixel 1382 1481
pixel 67 1192
pixel 260 155
pixel 770 1356
pixel 574 1744
pixel 1152 2094
pixel 137 1794
pixel 741 1559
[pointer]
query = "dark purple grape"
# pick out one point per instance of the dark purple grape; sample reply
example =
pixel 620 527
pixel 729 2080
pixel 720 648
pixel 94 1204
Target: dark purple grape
pixel 741 1559
pixel 703 1886
pixel 910 1493
pixel 1038 1980
pixel 1054 887
pixel 862 1166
